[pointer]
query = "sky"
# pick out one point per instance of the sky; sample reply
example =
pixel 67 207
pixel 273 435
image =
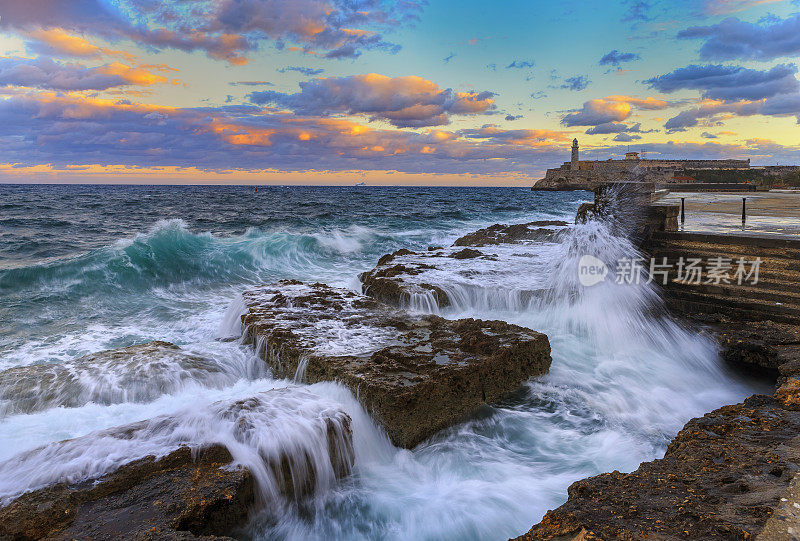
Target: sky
pixel 407 92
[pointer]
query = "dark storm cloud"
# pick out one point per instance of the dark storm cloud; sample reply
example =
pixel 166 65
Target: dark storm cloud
pixel 735 39
pixel 729 83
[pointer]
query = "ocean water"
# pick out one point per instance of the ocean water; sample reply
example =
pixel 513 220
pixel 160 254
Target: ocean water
pixel 87 268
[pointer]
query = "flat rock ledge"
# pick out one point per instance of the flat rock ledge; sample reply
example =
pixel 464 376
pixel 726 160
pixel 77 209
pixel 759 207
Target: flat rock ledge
pixel 192 493
pixel 402 276
pixel 415 374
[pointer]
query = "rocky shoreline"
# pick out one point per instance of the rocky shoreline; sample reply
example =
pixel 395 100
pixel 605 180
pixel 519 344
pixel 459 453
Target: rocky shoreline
pixel 198 488
pixel 414 374
pixel 724 476
pixel 731 474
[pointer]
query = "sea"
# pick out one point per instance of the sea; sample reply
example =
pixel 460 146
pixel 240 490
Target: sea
pixel 84 268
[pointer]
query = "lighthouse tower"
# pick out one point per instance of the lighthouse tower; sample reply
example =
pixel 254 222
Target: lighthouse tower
pixel 574 166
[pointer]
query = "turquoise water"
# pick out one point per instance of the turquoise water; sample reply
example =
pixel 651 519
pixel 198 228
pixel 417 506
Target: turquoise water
pixel 86 268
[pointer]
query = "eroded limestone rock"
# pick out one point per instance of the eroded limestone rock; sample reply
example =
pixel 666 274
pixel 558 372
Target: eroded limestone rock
pixel 488 261
pixel 139 373
pixel 722 478
pixel 194 486
pixel 415 374
pixel 504 234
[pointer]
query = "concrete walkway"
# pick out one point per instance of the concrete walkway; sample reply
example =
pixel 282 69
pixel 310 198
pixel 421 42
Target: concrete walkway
pixel 770 213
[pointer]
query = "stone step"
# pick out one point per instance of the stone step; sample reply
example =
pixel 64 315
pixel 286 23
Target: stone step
pixel 784 296
pixel 785 243
pixel 779 269
pixel 692 302
pixel 783 263
pixel 729 250
pixel 694 307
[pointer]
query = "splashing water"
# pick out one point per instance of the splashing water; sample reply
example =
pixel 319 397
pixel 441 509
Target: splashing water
pixel 624 377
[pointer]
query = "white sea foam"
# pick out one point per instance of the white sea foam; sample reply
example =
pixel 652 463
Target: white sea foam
pixel 258 430
pixel 623 381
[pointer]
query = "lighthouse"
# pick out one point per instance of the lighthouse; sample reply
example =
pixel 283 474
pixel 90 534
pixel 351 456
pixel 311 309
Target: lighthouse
pixel 574 155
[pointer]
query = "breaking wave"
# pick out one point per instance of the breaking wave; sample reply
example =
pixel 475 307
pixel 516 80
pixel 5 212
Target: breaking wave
pixel 169 254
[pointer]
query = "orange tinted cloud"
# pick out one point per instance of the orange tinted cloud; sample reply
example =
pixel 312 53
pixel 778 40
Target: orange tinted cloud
pixel 409 101
pixel 62 42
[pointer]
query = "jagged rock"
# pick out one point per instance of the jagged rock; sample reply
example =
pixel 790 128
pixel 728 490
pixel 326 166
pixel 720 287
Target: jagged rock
pixel 758 345
pixel 139 373
pixel 414 374
pixel 386 282
pixel 466 253
pixel 502 234
pixel 721 478
pixel 192 491
pixel 406 278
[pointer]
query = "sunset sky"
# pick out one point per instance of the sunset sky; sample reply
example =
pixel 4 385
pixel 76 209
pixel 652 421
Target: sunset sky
pixel 407 92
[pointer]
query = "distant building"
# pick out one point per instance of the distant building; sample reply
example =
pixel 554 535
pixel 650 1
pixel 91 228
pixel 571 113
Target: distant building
pixel 632 169
pixel 575 159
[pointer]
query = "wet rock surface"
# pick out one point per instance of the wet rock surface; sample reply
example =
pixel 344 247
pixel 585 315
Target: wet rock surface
pixel 757 345
pixel 494 258
pixel 188 490
pixel 724 476
pixel 721 478
pixel 503 234
pixel 174 497
pixel 138 373
pixel 414 374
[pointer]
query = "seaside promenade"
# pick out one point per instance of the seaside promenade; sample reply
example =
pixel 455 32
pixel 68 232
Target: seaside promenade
pixel 774 213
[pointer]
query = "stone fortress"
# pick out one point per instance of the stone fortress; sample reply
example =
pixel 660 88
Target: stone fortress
pixel 582 174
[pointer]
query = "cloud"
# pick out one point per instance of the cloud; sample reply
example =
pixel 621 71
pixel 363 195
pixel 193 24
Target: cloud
pixel 402 101
pixel 637 11
pixel 616 127
pixel 615 58
pixel 710 110
pixel 760 150
pixel 610 109
pixel 724 7
pixel 729 82
pixel 706 135
pixel 511 118
pixel 577 83
pixel 223 29
pixel 521 64
pixel 250 83
pixel 533 138
pixel 626 137
pixel 734 39
pixel 44 72
pixel 58 42
pixel 61 129
pixel 308 72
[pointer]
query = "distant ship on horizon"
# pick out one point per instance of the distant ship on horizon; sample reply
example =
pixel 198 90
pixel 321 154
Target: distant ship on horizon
pixel 361 184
